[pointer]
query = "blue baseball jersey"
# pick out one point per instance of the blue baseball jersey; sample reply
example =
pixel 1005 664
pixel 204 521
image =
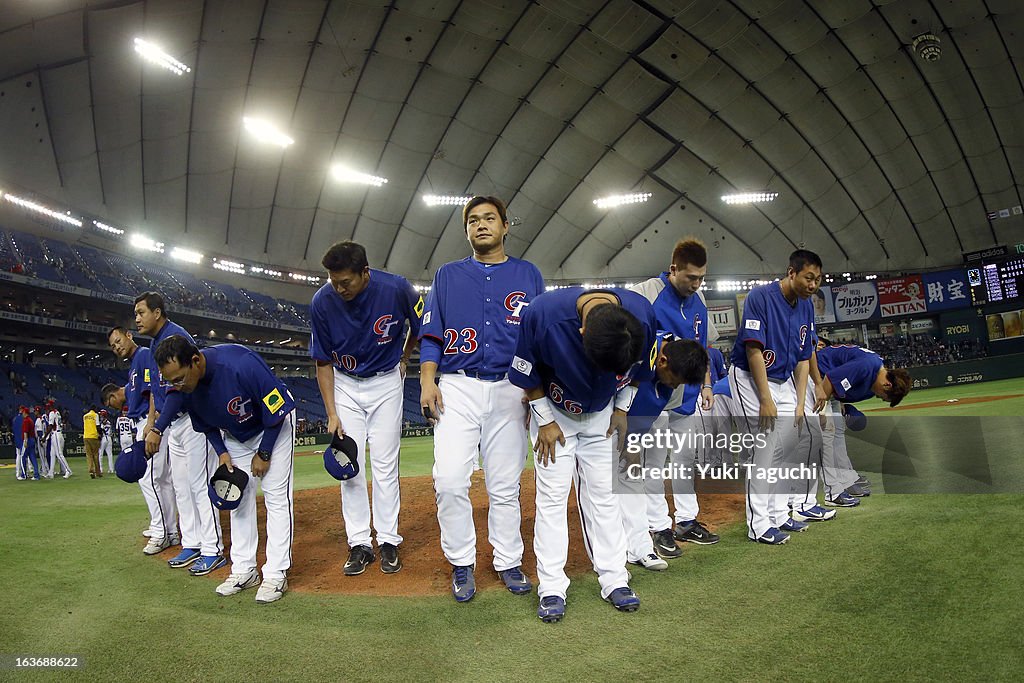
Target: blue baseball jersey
pixel 683 317
pixel 16 426
pixel 716 364
pixel 851 370
pixel 549 351
pixel 653 397
pixel 141 378
pixel 364 336
pixel 784 332
pixel 158 386
pixel 473 314
pixel 238 394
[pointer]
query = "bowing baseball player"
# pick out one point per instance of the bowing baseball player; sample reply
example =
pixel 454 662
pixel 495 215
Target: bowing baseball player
pixel 361 348
pixel 579 356
pixel 470 325
pixel 248 417
pixel 133 400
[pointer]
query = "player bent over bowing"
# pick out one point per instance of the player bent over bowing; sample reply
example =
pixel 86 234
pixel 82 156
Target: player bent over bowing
pixel 470 326
pixel 579 356
pixel 248 417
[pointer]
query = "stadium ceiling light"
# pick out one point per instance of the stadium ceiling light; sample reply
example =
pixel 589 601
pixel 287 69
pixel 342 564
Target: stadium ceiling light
pixel 108 228
pixel 266 132
pixel 229 266
pixel 286 340
pixel 152 53
pixel 750 197
pixel 347 175
pixel 445 199
pixel 614 200
pixel 186 255
pixel 143 242
pixel 65 217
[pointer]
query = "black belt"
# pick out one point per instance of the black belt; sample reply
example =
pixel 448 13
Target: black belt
pixel 484 376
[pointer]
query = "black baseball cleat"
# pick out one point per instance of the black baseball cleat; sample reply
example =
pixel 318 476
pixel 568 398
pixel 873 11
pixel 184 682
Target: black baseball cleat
pixel 665 544
pixel 694 532
pixel 390 563
pixel 358 558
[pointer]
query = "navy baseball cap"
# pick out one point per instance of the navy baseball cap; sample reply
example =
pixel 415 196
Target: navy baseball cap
pixel 226 487
pixel 855 420
pixel 131 463
pixel 340 458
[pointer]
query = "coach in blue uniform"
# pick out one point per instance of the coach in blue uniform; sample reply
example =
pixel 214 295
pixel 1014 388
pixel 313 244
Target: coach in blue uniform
pixel 768 383
pixel 156 486
pixel 579 356
pixel 469 335
pixel 25 443
pixel 191 462
pixel 247 416
pixel 361 348
pixel 716 364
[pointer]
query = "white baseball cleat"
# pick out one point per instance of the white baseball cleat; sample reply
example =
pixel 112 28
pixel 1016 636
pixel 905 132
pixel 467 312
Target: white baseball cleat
pixel 271 590
pixel 147 533
pixel 157 545
pixel 652 562
pixel 236 583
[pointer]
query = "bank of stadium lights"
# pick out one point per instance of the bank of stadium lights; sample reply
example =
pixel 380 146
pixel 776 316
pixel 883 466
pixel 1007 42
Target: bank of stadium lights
pixel 229 266
pixel 186 255
pixel 304 278
pixel 266 132
pixel 152 53
pixel 422 289
pixel 737 285
pixel 750 197
pixel 611 201
pixel 108 228
pixel 345 174
pixel 445 200
pixel 260 270
pixel 65 217
pixel 146 244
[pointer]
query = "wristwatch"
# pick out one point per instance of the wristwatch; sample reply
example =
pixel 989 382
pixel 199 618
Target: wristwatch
pixel 263 455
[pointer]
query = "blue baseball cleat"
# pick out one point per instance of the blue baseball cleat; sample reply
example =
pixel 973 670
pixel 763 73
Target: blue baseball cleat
pixel 552 609
pixel 793 526
pixel 186 557
pixel 843 500
pixel 772 537
pixel 814 514
pixel 624 599
pixel 463 583
pixel 516 581
pixel 207 564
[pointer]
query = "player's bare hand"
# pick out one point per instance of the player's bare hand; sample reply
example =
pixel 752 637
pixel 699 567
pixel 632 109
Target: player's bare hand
pixel 526 407
pixel 334 425
pixel 431 402
pixel 707 398
pixel 619 423
pixel 547 436
pixel 767 415
pixel 152 443
pixel 820 399
pixel 259 467
pixel 403 365
pixel 225 459
pixel 799 422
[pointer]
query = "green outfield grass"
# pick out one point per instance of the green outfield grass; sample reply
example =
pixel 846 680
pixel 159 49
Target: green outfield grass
pixel 912 587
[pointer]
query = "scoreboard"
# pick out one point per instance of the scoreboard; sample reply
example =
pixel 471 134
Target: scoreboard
pixel 997 281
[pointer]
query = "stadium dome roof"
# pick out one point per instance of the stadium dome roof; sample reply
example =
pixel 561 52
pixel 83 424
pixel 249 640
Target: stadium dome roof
pixel 881 158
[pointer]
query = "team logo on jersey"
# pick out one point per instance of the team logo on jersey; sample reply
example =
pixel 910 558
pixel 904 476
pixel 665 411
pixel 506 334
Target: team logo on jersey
pixel 845 383
pixel 418 308
pixel 803 335
pixel 752 324
pixel 769 358
pixel 522 365
pixel 145 376
pixel 239 408
pixel 273 401
pixel 622 381
pixel 515 302
pixel 382 327
pixel 654 355
pixel 426 317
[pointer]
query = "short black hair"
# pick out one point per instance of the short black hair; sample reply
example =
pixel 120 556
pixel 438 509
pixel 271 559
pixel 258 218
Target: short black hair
pixel 108 390
pixel 118 328
pixel 176 348
pixel 613 339
pixel 484 199
pixel 347 255
pixel 687 360
pixel 802 258
pixel 153 300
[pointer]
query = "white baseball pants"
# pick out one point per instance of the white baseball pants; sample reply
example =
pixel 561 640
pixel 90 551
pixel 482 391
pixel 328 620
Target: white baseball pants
pixel 588 458
pixel 107 446
pixel 157 489
pixel 278 498
pixel 370 411
pixel 192 463
pixel 56 442
pixel 486 418
pixel 838 471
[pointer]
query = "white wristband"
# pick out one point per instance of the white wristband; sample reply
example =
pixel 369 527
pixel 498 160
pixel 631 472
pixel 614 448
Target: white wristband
pixel 624 398
pixel 542 411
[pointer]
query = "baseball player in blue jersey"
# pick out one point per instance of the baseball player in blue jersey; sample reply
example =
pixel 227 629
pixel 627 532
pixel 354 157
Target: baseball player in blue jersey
pixel 248 417
pixel 191 461
pixel 25 443
pixel 580 356
pixel 768 383
pixel 134 399
pixel 361 348
pixel 680 309
pixel 470 325
pixel 847 374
